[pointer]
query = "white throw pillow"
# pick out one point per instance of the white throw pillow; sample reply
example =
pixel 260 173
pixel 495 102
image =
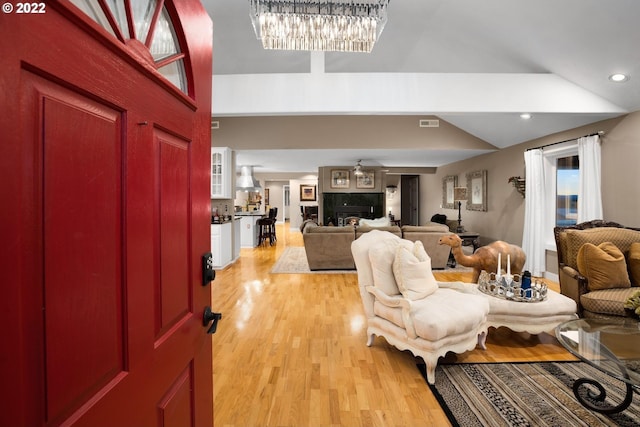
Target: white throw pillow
pixel 413 277
pixel 378 222
pixel 381 256
pixel 420 253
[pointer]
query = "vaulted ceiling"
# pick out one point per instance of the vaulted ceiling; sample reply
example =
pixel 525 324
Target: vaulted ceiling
pixel 474 64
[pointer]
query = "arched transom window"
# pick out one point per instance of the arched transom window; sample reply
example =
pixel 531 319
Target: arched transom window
pixel 146 27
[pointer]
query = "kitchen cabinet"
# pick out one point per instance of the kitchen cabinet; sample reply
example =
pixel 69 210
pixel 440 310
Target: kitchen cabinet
pixel 237 237
pixel 221 244
pixel 221 173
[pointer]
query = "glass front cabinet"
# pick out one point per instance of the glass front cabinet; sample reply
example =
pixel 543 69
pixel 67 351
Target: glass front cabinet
pixel 221 173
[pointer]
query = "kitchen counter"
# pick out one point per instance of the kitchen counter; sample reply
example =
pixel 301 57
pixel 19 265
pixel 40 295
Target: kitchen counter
pixel 226 221
pixel 250 213
pixel 249 231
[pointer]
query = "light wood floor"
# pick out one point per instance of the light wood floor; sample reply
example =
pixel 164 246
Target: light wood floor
pixel 291 350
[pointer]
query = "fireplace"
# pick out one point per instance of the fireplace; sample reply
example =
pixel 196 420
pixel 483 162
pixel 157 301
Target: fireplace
pixel 338 206
pixel 342 212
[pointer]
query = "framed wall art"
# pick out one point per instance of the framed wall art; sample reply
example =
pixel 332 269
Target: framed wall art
pixel 477 191
pixel 307 193
pixel 448 184
pixel 366 180
pixel 339 178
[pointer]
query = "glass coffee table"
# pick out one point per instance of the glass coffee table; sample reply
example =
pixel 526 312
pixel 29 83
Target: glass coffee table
pixel 611 346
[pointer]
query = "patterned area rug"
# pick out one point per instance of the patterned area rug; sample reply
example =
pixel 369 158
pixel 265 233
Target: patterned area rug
pixel 525 394
pixel 293 260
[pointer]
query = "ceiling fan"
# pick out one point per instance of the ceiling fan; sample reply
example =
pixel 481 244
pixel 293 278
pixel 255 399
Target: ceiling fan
pixel 357 169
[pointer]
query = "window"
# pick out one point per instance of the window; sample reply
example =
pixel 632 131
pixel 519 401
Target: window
pixel 562 170
pixel 567 184
pixel 152 28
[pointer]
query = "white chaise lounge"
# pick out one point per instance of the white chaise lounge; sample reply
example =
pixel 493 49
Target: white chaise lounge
pixel 408 308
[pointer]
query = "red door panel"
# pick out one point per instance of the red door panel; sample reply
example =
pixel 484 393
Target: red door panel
pixel 176 407
pixel 174 287
pixel 83 283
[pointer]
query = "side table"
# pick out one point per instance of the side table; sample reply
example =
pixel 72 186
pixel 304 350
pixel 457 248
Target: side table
pixel 469 238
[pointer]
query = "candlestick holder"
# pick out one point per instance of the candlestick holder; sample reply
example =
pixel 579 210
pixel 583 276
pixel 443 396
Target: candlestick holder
pixel 512 288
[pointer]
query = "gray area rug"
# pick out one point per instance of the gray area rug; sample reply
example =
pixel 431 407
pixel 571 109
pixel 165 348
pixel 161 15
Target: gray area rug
pixel 293 260
pixel 525 394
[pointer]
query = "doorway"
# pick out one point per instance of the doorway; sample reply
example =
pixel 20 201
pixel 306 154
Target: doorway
pixel 286 201
pixel 410 199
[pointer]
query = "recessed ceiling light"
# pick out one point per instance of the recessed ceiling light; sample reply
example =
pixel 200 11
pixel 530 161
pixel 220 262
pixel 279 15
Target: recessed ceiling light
pixel 618 77
pixel 525 116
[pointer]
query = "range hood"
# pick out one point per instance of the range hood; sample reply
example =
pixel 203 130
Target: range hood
pixel 246 180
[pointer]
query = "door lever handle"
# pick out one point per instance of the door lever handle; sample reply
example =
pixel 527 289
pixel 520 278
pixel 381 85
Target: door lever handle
pixel 209 316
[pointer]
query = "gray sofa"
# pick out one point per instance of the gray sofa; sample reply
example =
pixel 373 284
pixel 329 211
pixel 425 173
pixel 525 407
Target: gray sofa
pixel 329 247
pixel 430 235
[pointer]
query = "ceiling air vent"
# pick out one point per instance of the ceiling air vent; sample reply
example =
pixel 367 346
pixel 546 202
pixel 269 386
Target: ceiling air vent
pixel 215 124
pixel 429 123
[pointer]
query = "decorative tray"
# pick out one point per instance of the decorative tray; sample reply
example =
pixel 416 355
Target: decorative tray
pixel 511 287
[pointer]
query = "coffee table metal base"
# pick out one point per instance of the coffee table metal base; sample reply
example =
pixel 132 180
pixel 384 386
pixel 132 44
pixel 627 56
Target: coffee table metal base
pixel 595 344
pixel 600 396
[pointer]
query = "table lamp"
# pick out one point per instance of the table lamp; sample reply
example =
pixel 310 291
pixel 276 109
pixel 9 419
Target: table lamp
pixel 459 194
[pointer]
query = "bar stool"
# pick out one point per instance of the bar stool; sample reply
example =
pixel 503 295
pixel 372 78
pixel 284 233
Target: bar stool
pixel 266 230
pixel 273 214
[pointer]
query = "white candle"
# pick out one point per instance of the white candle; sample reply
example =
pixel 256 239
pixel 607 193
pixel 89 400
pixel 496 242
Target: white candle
pixel 499 272
pixel 508 265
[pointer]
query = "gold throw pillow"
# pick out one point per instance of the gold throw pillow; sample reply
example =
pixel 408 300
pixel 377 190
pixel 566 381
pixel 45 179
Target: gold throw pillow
pixel 634 263
pixel 604 266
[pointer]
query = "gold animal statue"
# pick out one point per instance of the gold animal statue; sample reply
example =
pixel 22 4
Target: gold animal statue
pixel 486 257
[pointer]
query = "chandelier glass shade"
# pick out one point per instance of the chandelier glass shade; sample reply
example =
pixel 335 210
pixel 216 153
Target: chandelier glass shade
pixel 323 25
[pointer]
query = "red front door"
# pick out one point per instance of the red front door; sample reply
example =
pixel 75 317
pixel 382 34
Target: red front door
pixel 105 217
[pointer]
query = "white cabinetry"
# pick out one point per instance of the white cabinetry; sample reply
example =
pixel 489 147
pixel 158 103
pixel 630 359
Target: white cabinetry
pixel 237 237
pixel 221 173
pixel 221 244
pixel 249 234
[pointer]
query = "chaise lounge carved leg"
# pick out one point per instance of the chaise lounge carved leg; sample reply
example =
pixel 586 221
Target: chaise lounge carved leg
pixel 431 369
pixel 482 340
pixel 370 340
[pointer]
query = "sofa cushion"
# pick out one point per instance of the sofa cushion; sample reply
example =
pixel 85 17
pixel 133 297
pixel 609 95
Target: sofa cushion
pixel 329 229
pixel 633 263
pixel 606 301
pixel 378 222
pixel 393 229
pixel 448 313
pixel 604 266
pixel 381 256
pixel 430 227
pixel 413 276
pixel 436 317
pixel 307 223
pixel 574 239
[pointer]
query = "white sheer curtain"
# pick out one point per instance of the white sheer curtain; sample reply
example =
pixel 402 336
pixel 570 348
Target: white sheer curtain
pixel 534 215
pixel 589 192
